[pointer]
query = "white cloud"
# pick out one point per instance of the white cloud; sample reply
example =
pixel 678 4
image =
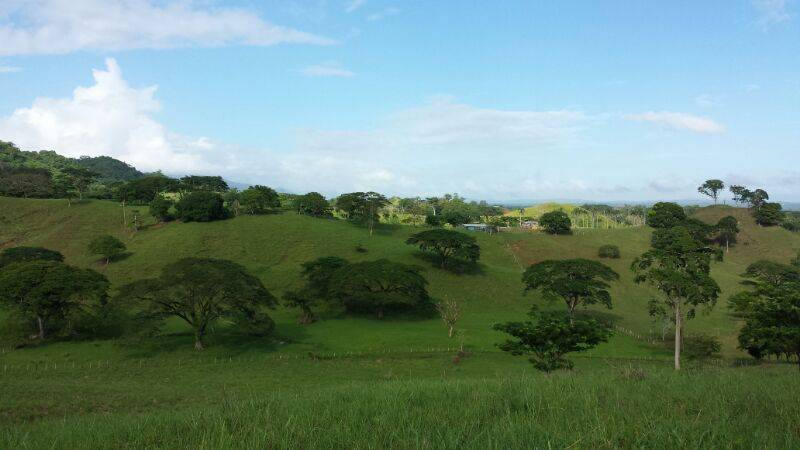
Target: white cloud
pixel 63 26
pixel 705 100
pixel 328 69
pixel 353 5
pixel 771 12
pixel 380 15
pixel 678 121
pixel 9 69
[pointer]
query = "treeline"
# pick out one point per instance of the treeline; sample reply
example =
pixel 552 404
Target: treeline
pixel 766 213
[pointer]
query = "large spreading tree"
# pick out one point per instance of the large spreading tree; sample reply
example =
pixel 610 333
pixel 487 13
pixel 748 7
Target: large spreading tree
pixel 711 188
pixel 555 222
pixel 362 207
pixel 204 292
pixel 24 254
pixel 106 246
pixel 48 293
pixel 677 265
pixel 575 281
pixel 317 275
pixel 379 287
pixel 259 199
pixel 446 245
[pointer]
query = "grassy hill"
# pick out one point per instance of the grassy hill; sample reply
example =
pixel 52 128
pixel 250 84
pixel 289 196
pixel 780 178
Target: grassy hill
pixel 82 379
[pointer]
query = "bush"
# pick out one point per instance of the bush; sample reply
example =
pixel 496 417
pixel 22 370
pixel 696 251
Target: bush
pixel 556 222
pixel 433 221
pixel 769 214
pixel 701 346
pixel 201 206
pixel 608 251
pixel 159 208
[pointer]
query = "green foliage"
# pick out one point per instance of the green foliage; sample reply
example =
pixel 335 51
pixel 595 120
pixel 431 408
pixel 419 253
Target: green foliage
pixel 203 292
pixel 193 183
pixel 317 275
pixel 699 346
pixel 771 310
pixel 379 287
pixel 665 215
pixel 109 169
pixel 769 214
pixel 26 182
pixel 575 281
pixel 143 190
pixel 160 208
pixel 741 194
pixel 551 337
pixel 446 245
pixel 201 206
pixel 433 221
pixel 608 251
pixel 259 199
pixel 727 230
pixel 455 217
pixel 24 254
pixel 362 207
pixel 48 293
pixel 106 246
pixel 556 222
pixel 313 204
pixel 711 188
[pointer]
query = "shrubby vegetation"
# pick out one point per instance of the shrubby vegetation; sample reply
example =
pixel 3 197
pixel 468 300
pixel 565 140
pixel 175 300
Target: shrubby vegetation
pixel 107 246
pixel 556 222
pixel 447 245
pixel 608 251
pixel 201 206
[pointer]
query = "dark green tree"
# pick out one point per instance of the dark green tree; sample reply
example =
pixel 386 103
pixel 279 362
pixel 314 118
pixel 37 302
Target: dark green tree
pixel 203 292
pixel 79 178
pixel 575 281
pixel 259 199
pixel 665 215
pixel 727 231
pixel 741 194
pixel 679 267
pixel 758 198
pixel 711 188
pixel 142 191
pixel 49 293
pixel 193 183
pixel 24 254
pixel 159 208
pixel 555 222
pixel 106 246
pixel 317 275
pixel 550 337
pixel 446 245
pixel 362 207
pixel 379 287
pixel 201 206
pixel 313 204
pixel 769 214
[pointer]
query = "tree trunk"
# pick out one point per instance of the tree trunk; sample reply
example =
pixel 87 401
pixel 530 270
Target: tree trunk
pixel 379 313
pixel 306 317
pixel 450 331
pixel 198 341
pixel 40 322
pixel 678 335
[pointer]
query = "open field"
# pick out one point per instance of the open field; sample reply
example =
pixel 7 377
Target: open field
pixel 292 389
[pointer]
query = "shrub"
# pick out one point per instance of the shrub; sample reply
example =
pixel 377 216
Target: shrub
pixel 201 206
pixel 106 246
pixel 433 221
pixel 159 208
pixel 701 346
pixel 608 251
pixel 556 222
pixel 769 214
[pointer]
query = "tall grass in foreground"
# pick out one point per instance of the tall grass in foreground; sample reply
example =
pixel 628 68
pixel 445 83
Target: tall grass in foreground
pixel 754 407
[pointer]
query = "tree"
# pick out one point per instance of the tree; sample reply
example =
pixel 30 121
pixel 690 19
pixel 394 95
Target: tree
pixel 313 204
pixel 446 245
pixel 450 313
pixel 259 199
pixel 106 246
pixel 678 266
pixel 665 215
pixel 79 178
pixel 193 183
pixel 379 286
pixel 317 274
pixel 362 207
pixel 201 206
pixel 769 214
pixel 203 292
pixel 758 198
pixel 727 231
pixel 608 251
pixel 24 254
pixel 711 188
pixel 143 190
pixel 550 338
pixel 26 182
pixel 575 281
pixel 741 194
pixel 555 222
pixel 433 220
pixel 772 314
pixel 455 217
pixel 49 292
pixel 159 208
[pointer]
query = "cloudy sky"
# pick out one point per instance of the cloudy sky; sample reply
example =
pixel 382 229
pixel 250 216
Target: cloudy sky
pixel 602 100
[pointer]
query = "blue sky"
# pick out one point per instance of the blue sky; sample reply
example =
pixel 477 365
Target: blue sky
pixel 617 100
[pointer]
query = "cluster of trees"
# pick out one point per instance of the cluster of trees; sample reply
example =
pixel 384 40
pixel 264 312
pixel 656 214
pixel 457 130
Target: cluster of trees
pixel 678 265
pixel 664 215
pixel 551 335
pixel 376 287
pixel 766 213
pixel 447 245
pixel 771 310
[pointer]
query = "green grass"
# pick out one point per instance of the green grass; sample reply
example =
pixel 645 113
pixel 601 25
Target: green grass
pixel 244 392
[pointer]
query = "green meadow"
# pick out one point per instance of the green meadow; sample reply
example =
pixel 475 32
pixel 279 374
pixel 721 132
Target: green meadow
pixel 359 382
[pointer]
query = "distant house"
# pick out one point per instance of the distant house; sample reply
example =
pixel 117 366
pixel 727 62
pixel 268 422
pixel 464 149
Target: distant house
pixel 530 224
pixel 486 228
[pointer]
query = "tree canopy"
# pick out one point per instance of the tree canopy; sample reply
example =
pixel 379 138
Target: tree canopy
pixel 203 292
pixel 575 281
pixel 665 215
pixel 192 183
pixel 201 206
pixel 313 204
pixel 555 222
pixel 259 199
pixel 446 245
pixel 711 188
pixel 23 254
pixel 106 246
pixel 769 214
pixel 379 287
